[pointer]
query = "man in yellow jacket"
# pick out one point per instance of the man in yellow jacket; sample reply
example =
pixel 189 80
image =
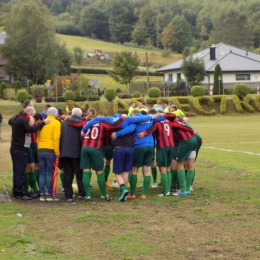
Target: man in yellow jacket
pixel 48 149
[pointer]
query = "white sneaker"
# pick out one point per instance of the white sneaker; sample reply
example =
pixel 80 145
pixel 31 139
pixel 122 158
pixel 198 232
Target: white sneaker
pixel 191 188
pixel 163 195
pixel 42 197
pixel 154 185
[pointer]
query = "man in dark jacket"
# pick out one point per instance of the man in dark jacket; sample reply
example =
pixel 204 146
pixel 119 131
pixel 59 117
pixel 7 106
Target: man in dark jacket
pixel 71 143
pixel 20 143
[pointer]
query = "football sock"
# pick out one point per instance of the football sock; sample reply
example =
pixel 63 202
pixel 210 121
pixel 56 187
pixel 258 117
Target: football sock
pixel 182 181
pixel 146 184
pixel 106 171
pixel 133 182
pixel 189 178
pixel 62 179
pixel 101 184
pixel 154 173
pixel 169 174
pixel 164 182
pixel 37 174
pixel 174 178
pixel 122 187
pixel 26 183
pixel 86 182
pixel 32 180
pixel 193 178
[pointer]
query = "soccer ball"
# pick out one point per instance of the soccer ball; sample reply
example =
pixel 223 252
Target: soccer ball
pixel 75 187
pixel 115 184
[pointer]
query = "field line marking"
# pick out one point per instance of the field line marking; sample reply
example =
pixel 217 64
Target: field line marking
pixel 7 194
pixel 235 143
pixel 231 151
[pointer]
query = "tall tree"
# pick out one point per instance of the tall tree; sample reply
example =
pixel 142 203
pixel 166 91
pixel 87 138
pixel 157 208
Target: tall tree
pixel 193 69
pixel 169 38
pixel 31 46
pixel 125 66
pixel 218 81
pixel 78 54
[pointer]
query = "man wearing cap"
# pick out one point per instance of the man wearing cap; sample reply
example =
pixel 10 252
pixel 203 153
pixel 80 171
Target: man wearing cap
pixel 48 149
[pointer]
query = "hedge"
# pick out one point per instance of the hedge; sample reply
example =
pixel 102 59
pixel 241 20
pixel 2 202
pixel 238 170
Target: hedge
pixel 257 102
pixel 151 100
pixel 102 108
pixel 124 95
pixel 81 98
pixel 246 104
pixel 137 100
pixel 124 105
pixel 179 102
pixel 198 107
pixel 237 103
pixel 136 95
pixel 223 103
pixel 84 107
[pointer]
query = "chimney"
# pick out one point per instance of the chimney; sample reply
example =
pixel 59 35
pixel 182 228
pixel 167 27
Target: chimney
pixel 212 52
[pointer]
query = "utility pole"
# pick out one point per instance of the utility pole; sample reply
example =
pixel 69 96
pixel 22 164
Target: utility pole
pixel 147 72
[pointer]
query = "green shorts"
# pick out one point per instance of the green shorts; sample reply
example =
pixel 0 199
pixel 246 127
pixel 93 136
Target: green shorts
pixel 108 152
pixel 30 158
pixel 164 157
pixel 91 158
pixel 185 148
pixel 175 149
pixel 35 154
pixel 143 156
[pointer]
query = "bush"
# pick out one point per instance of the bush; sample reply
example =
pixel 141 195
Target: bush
pixel 82 98
pixel 22 95
pixel 69 95
pixel 237 104
pixel 228 91
pixel 102 108
pixel 99 92
pixel 197 91
pixel 38 100
pixel 136 95
pixel 48 99
pixel 257 102
pixel 137 100
pixel 120 103
pixel 154 92
pixel 246 104
pixel 17 86
pixel 124 95
pixel 94 98
pixel 12 98
pixel 197 106
pixel 241 90
pixel 119 90
pixel 3 86
pixel 110 94
pixel 60 99
pixel 183 92
pixel 151 100
pixel 223 103
pixel 252 91
pixel 38 91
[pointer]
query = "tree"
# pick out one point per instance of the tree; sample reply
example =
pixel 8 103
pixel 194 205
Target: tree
pixel 218 85
pixel 17 86
pixel 193 69
pixel 78 54
pixel 125 65
pixel 31 47
pixel 169 39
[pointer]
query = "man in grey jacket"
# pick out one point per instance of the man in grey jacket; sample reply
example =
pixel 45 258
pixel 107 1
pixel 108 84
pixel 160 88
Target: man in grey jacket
pixel 71 143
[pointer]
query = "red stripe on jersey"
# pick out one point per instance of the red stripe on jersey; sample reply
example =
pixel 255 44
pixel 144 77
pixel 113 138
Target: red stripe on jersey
pixel 164 135
pixel 94 136
pixel 107 139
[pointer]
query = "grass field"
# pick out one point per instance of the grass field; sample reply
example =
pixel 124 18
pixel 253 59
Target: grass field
pixel 220 220
pixel 155 58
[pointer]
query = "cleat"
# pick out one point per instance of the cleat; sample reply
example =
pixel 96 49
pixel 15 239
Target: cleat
pixel 87 198
pixel 143 197
pixel 130 197
pixel 81 197
pixel 188 192
pixel 108 185
pixel 69 200
pixel 180 193
pixel 154 185
pixel 35 195
pixel 107 198
pixel 123 195
pixel 191 188
pixel 42 197
pixel 163 195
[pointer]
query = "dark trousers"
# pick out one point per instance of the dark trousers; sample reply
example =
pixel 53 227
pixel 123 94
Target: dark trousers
pixel 71 166
pixel 19 159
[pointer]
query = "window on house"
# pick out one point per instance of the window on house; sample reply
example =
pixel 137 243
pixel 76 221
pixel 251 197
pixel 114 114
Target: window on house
pixel 170 77
pixel 242 77
pixel 178 76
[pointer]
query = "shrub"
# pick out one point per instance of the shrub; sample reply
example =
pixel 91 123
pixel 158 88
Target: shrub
pixel 163 99
pixel 228 91
pixel 2 88
pixel 12 98
pixel 241 90
pixel 136 95
pixel 198 107
pixel 197 91
pixel 69 95
pixel 119 90
pixel 246 104
pixel 38 100
pixel 182 92
pixel 102 108
pixel 237 103
pixel 223 103
pixel 154 92
pixel 124 95
pixel 257 102
pixel 80 98
pixel 94 98
pixel 137 100
pixel 120 103
pixel 99 92
pixel 252 91
pixel 17 86
pixel 60 99
pixel 48 99
pixel 22 95
pixel 185 107
pixel 110 94
pixel 38 91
